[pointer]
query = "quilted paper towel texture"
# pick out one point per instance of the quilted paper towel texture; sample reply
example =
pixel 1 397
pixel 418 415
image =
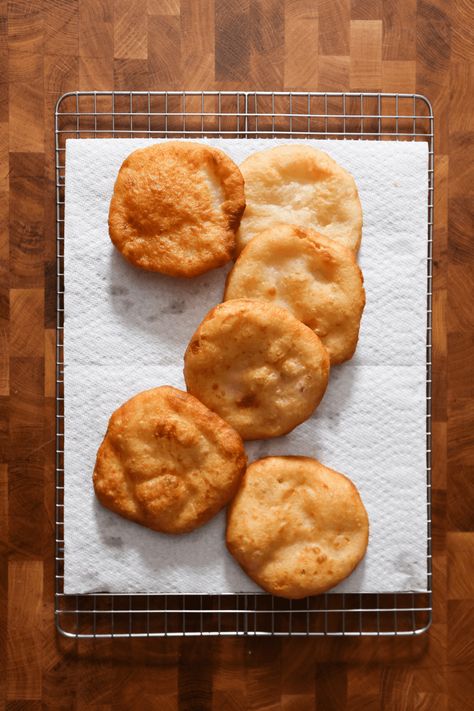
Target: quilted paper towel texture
pixel 126 330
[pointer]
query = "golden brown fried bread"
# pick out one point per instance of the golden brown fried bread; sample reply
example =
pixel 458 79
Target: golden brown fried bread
pixel 315 278
pixel 167 461
pixel 176 207
pixel 257 366
pixel 296 527
pixel 300 185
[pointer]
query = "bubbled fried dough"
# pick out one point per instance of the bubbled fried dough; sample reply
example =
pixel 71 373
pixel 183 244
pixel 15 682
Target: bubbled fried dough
pixel 257 366
pixel 176 207
pixel 301 185
pixel 312 276
pixel 167 462
pixel 296 527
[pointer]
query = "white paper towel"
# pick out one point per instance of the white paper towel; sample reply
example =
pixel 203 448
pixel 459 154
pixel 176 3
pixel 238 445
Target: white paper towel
pixel 126 330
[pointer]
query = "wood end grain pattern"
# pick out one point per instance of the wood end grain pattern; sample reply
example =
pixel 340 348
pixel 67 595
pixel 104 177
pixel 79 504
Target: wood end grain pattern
pixel 49 47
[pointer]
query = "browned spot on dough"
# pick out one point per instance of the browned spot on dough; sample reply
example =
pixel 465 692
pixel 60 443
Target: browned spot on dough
pixel 249 400
pixel 299 232
pixel 165 429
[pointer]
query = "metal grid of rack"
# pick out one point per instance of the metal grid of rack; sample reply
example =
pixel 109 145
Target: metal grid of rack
pixel 193 114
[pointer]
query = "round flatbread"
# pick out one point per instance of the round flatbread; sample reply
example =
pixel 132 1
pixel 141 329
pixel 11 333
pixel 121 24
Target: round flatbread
pixel 176 207
pixel 300 185
pixel 167 462
pixel 312 276
pixel 296 527
pixel 257 366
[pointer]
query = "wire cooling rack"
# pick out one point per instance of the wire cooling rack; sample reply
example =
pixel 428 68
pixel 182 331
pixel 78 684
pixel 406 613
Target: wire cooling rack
pixel 139 114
